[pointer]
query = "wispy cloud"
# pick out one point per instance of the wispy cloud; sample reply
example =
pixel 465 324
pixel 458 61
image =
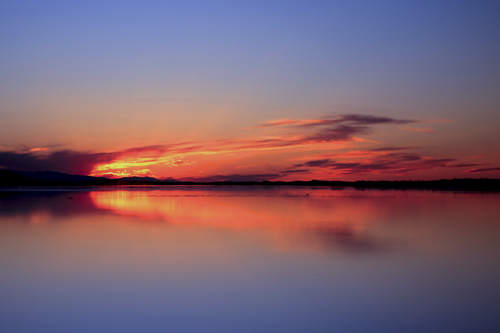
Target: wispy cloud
pixel 68 161
pixel 485 170
pixel 386 159
pixel 353 119
pixel 302 135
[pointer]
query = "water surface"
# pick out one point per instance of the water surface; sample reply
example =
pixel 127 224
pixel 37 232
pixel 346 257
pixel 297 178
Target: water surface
pixel 236 259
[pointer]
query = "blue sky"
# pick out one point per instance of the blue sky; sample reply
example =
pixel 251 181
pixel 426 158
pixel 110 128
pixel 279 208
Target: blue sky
pixel 117 65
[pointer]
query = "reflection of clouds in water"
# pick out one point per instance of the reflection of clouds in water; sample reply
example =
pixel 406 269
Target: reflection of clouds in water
pixel 302 224
pixel 329 220
pixel 347 239
pixel 247 212
pixel 314 261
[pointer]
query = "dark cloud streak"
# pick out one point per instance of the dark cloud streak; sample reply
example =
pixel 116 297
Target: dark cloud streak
pixel 400 162
pixel 485 170
pixel 351 119
pixel 67 161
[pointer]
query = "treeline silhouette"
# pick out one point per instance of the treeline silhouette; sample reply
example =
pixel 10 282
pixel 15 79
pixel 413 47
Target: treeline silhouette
pixel 12 178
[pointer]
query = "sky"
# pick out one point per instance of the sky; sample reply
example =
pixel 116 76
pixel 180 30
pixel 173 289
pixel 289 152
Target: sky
pixel 251 90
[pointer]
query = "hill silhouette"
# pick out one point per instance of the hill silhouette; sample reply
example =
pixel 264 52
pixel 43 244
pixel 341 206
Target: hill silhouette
pixel 13 178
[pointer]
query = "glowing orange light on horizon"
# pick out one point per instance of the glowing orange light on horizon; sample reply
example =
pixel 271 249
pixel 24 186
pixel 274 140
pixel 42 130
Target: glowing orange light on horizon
pixel 129 165
pixel 38 149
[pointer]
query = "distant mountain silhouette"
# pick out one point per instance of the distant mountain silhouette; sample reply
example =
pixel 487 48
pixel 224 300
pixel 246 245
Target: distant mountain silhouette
pixel 13 178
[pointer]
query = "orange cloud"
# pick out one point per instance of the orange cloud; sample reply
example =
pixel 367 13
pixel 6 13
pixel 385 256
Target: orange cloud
pixel 311 148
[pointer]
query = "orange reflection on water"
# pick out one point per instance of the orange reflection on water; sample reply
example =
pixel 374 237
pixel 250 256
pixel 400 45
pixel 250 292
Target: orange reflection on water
pixel 133 203
pixel 286 209
pixel 288 216
pixel 39 217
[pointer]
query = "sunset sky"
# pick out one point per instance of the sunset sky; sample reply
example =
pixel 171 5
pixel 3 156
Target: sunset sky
pixel 251 90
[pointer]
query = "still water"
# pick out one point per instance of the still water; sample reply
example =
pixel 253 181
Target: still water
pixel 202 259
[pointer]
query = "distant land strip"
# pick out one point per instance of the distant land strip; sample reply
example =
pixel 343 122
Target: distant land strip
pixel 12 178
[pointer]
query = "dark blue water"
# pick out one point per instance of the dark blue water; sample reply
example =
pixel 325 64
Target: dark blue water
pixel 260 260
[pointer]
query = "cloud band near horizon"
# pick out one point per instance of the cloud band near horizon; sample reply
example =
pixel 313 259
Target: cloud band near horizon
pixel 314 133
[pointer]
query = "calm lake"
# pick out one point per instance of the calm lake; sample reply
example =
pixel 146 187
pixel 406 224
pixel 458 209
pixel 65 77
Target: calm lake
pixel 248 259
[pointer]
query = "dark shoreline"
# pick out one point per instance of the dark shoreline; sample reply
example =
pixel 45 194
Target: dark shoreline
pixel 9 178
